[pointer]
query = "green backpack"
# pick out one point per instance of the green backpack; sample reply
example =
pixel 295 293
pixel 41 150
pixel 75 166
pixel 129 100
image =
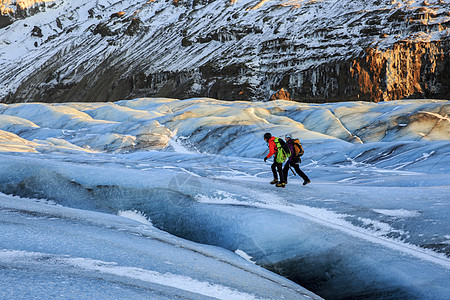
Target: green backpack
pixel 283 151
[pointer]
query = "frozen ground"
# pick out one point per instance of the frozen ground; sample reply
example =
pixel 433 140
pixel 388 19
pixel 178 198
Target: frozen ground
pixel 373 223
pixel 56 252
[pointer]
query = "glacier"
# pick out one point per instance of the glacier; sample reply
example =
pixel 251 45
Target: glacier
pixel 373 223
pixel 51 251
pixel 316 51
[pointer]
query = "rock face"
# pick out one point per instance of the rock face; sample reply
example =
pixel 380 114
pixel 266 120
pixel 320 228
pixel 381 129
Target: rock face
pixel 11 11
pixel 282 94
pixel 313 51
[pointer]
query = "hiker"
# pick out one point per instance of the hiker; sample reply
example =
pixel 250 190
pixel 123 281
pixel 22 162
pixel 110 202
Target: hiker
pixel 294 160
pixel 274 149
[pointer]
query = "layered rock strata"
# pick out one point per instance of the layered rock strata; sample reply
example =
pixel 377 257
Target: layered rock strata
pixel 313 51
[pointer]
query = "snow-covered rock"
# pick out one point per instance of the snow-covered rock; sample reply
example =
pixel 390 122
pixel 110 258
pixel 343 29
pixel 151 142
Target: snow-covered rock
pixel 315 51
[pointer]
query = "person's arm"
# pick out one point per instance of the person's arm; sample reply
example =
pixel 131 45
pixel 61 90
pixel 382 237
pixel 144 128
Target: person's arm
pixel 272 149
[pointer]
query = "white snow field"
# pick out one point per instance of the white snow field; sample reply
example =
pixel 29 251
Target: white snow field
pixel 132 198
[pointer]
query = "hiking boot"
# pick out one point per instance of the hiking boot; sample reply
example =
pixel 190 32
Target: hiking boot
pixel 306 182
pixel 275 181
pixel 281 184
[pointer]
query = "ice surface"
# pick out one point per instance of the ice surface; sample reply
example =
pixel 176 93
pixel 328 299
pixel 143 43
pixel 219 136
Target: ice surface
pixel 373 223
pixel 144 124
pixel 49 251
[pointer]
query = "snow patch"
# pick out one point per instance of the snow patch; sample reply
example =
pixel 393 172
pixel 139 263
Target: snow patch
pixel 135 215
pixel 398 213
pixel 245 256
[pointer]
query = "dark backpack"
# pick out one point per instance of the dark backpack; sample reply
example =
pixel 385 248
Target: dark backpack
pixel 298 148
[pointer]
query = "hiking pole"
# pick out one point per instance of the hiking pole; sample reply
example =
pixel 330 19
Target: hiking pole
pixel 292 171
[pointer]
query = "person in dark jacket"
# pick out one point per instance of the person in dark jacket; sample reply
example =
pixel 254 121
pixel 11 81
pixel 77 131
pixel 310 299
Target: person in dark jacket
pixel 294 162
pixel 275 166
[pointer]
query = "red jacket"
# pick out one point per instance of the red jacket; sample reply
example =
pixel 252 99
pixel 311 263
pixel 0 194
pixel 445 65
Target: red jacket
pixel 272 147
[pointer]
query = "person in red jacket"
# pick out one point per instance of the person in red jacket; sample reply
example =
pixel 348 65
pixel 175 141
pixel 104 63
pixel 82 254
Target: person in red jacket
pixel 275 166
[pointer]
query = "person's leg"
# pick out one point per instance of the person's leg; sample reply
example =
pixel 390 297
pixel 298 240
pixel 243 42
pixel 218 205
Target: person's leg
pixel 286 171
pixel 306 180
pixel 274 171
pixel 280 172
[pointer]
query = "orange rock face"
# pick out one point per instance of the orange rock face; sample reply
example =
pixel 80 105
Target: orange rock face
pixel 282 94
pixel 409 69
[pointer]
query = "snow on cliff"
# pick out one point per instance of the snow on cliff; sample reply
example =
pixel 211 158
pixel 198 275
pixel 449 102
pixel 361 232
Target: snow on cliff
pixel 109 50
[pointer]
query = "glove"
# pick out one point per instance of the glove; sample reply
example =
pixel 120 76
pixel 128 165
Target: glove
pixel 265 159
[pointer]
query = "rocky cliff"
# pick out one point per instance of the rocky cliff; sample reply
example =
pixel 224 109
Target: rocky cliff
pixel 304 50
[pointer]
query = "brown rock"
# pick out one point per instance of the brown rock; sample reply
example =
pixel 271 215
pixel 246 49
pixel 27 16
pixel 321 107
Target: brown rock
pixel 282 94
pixel 118 14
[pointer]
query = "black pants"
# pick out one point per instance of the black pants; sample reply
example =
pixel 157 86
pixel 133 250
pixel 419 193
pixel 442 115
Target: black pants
pixel 294 162
pixel 277 167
